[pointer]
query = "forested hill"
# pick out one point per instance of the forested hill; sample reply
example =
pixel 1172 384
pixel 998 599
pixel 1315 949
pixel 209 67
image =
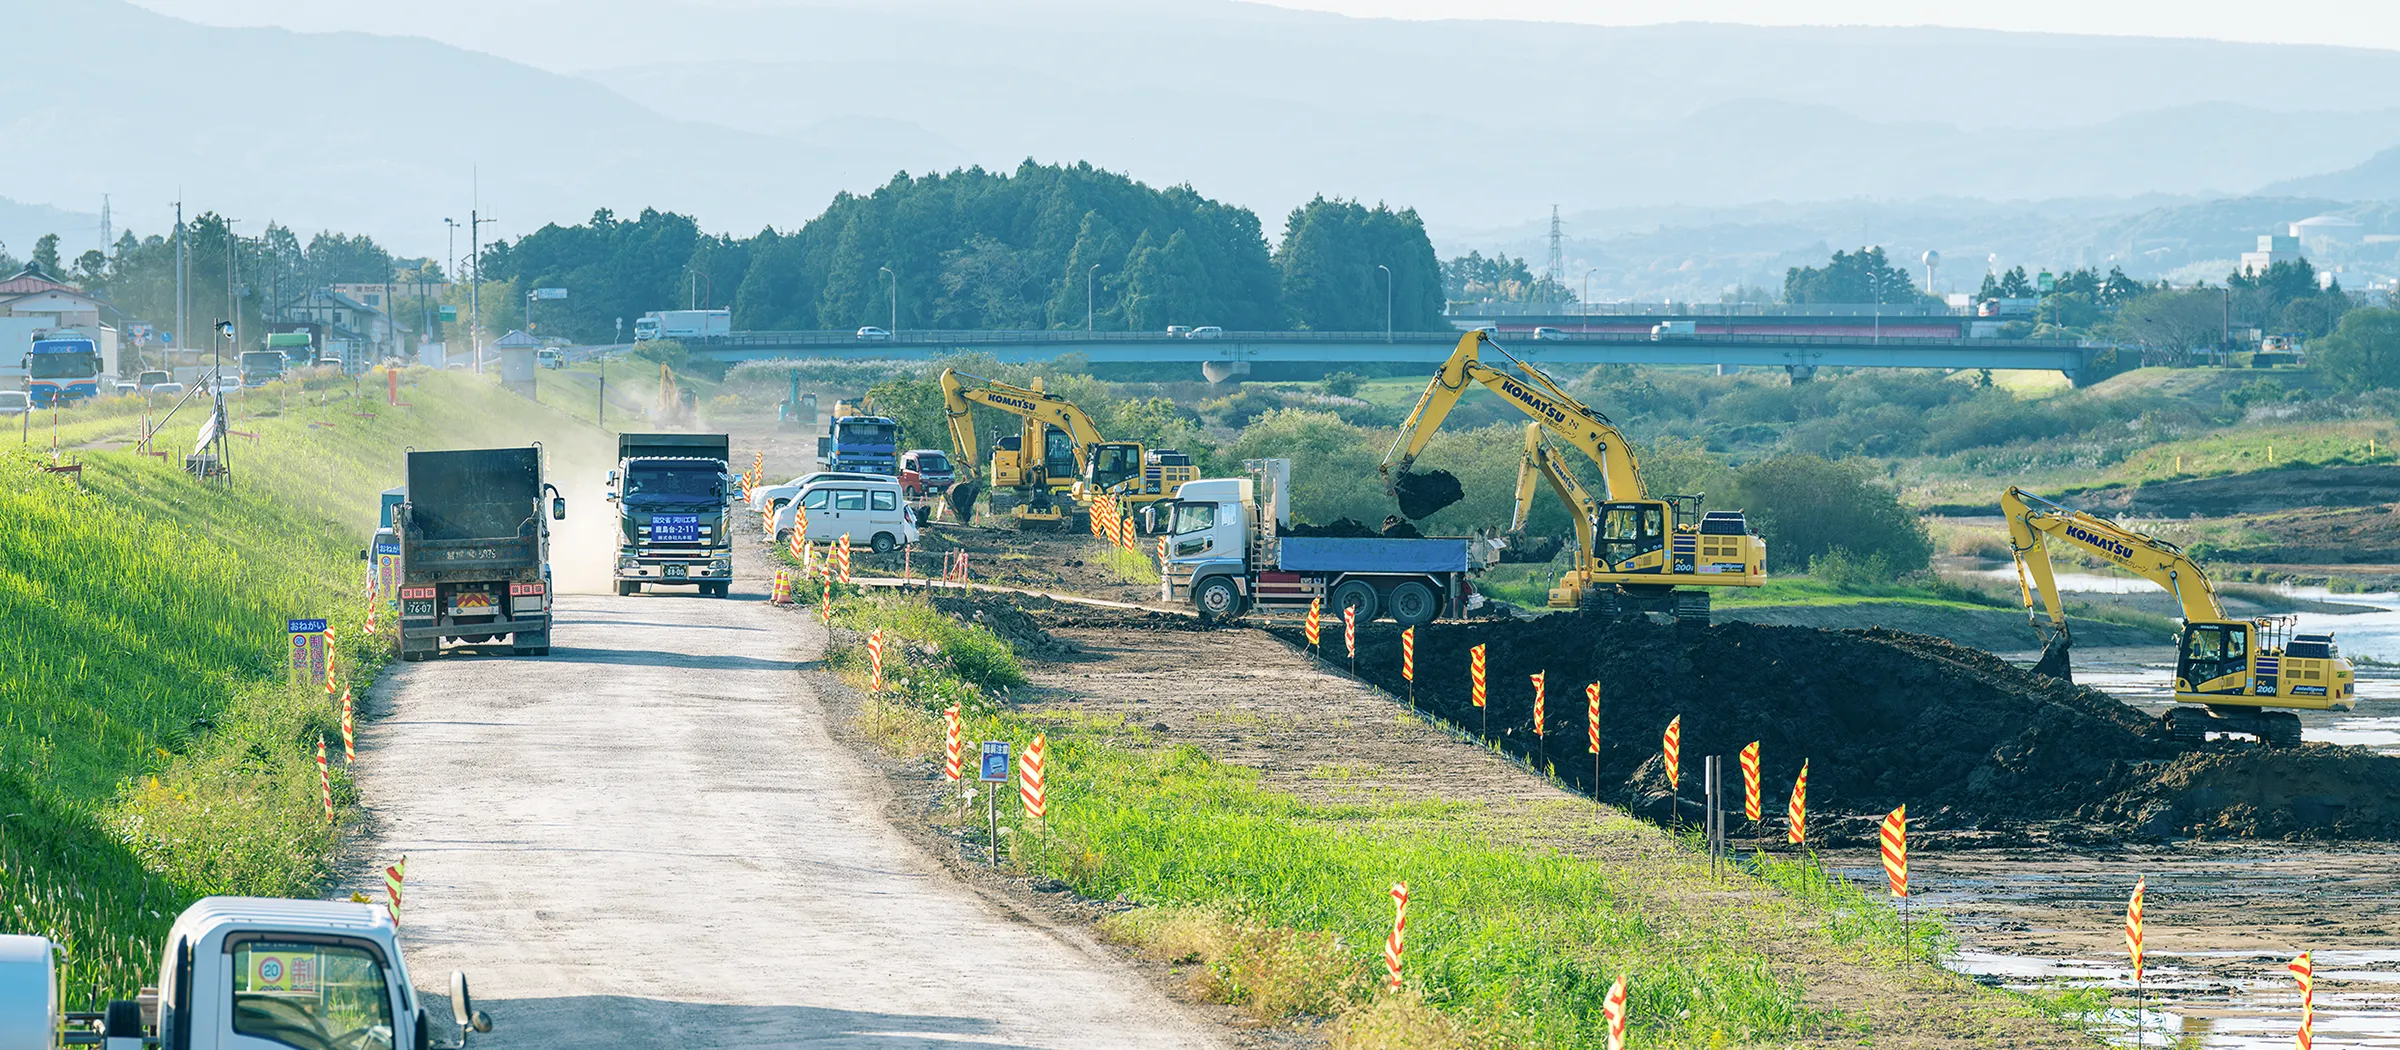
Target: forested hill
pixel 979 249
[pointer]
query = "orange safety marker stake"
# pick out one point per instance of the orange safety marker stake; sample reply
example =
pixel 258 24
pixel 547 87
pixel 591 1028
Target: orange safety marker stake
pixel 1797 834
pixel 1408 663
pixel 393 876
pixel 1029 779
pixel 1538 713
pixel 1350 635
pixel 1591 725
pixel 953 739
pixel 1475 672
pixel 827 608
pixel 1613 1008
pixel 1674 751
pixel 349 731
pixel 875 660
pixel 1750 807
pixel 841 556
pixel 2305 972
pixel 1316 611
pixel 325 779
pixel 2133 931
pixel 1397 944
pixel 1895 851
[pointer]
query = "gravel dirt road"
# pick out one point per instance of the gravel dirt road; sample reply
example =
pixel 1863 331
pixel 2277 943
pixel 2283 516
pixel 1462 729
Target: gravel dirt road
pixel 648 839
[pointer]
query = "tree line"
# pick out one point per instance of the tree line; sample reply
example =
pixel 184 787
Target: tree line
pixel 1042 247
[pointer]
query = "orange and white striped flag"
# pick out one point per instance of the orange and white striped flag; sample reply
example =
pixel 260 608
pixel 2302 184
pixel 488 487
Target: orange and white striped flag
pixel 875 660
pixel 1316 613
pixel 953 740
pixel 325 779
pixel 1029 779
pixel 2305 972
pixel 2133 927
pixel 1750 806
pixel 349 731
pixel 1895 851
pixel 1395 945
pixel 1408 654
pixel 841 556
pixel 1538 713
pixel 1162 550
pixel 393 876
pixel 1475 670
pixel 1350 631
pixel 1798 833
pixel 1591 719
pixel 333 675
pixel 1674 751
pixel 1613 1008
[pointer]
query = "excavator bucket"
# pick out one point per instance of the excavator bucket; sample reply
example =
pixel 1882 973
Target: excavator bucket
pixel 2053 663
pixel 962 501
pixel 1423 494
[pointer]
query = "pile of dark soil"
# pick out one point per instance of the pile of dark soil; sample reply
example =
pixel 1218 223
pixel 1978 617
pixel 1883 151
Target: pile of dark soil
pixel 1883 718
pixel 1020 631
pixel 1343 528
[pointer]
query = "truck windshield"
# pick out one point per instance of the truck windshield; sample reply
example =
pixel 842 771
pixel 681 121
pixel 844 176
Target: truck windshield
pixel 311 996
pixel 932 462
pixel 63 366
pixel 869 433
pixel 687 483
pixel 1195 517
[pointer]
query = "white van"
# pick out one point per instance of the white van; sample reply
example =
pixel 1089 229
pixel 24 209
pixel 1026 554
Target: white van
pixel 871 513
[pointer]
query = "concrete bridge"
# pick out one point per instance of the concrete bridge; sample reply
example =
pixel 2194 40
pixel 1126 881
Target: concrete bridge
pixel 1232 353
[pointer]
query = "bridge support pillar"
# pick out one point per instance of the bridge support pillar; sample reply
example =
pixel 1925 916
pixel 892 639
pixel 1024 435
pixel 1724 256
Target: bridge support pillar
pixel 1224 371
pixel 1801 373
pixel 1728 370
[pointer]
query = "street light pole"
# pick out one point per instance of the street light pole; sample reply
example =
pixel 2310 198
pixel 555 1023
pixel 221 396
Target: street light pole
pixel 1387 301
pixel 1586 303
pixel 1087 297
pixel 887 271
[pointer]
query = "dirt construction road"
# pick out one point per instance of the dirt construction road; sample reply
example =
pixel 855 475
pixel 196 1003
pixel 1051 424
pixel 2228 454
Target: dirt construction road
pixel 647 839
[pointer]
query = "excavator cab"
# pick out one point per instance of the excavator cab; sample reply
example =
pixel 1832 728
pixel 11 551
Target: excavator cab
pixel 1111 464
pixel 1633 535
pixel 2214 659
pixel 1058 457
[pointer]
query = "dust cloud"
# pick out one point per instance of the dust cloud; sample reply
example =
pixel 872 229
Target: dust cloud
pixel 583 548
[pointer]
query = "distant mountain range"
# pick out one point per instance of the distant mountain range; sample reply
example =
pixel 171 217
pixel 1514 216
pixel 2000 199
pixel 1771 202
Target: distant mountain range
pixel 749 113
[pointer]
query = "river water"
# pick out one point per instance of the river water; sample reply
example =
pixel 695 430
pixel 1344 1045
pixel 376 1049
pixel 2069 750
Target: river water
pixel 2224 918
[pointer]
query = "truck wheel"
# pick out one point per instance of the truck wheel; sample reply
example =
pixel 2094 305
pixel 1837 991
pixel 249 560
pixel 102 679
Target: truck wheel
pixel 412 655
pixel 1357 593
pixel 1414 603
pixel 1217 600
pixel 530 645
pixel 883 543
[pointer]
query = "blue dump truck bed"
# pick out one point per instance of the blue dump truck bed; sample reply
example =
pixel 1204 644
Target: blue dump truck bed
pixel 1369 554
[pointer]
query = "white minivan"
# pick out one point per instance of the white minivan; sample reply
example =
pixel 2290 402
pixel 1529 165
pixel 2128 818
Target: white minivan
pixel 871 513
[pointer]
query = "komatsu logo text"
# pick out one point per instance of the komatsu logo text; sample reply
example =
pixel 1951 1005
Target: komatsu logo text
pixel 1013 402
pixel 1534 402
pixel 2112 548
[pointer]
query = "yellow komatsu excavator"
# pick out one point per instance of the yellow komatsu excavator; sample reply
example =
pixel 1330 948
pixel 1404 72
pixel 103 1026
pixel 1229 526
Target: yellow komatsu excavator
pixel 1057 463
pixel 2234 669
pixel 1637 553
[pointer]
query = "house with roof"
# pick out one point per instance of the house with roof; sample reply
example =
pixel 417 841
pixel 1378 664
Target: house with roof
pixel 32 301
pixel 354 332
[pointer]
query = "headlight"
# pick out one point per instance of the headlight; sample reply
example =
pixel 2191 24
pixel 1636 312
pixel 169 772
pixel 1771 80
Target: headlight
pixel 627 563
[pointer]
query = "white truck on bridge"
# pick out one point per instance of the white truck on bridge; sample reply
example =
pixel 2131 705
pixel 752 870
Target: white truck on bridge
pixel 244 972
pixel 682 324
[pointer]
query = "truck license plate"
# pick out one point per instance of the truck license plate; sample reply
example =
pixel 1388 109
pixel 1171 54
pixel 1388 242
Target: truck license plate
pixel 674 572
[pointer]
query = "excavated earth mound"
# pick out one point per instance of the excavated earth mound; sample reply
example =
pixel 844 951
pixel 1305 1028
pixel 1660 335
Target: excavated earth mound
pixel 1883 718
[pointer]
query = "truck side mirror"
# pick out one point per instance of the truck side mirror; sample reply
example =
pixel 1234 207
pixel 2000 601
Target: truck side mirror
pixel 612 477
pixel 362 554
pixel 462 1005
pixel 558 508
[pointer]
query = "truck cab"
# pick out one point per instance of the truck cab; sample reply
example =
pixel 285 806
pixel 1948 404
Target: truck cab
pixel 246 973
pixel 674 495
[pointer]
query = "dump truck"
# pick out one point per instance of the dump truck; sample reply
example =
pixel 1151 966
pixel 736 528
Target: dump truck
pixel 859 441
pixel 245 972
pixel 1229 552
pixel 475 550
pixel 673 494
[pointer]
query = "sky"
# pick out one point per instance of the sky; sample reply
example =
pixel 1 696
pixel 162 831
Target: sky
pixel 2346 23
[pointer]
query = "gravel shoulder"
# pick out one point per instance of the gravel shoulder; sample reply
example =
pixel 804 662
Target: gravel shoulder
pixel 650 839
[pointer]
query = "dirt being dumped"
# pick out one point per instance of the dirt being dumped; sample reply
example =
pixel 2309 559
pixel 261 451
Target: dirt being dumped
pixel 1964 739
pixel 1346 528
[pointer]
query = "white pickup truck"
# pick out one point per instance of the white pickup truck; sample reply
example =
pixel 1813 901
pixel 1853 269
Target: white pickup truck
pixel 244 973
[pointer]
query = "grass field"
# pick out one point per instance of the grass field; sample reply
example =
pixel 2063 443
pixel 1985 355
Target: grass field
pixel 151 750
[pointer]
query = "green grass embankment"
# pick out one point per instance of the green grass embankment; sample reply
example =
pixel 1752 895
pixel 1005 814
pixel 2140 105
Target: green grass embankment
pixel 151 750
pixel 1278 904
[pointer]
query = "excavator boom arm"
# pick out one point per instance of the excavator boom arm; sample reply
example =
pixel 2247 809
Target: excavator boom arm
pixel 2034 521
pixel 1533 394
pixel 1542 462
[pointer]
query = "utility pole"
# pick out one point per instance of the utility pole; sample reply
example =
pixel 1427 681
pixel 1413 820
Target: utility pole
pixel 1387 301
pixel 108 232
pixel 233 306
pixel 1087 297
pixel 475 221
pixel 887 271
pixel 182 270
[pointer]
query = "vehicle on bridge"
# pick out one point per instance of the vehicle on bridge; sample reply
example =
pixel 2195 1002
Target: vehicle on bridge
pixel 475 550
pixel 1665 330
pixel 674 497
pixel 61 369
pixel 244 972
pixel 1638 554
pixel 682 324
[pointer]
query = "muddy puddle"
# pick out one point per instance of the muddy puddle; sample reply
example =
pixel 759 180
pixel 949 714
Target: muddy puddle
pixel 2222 921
